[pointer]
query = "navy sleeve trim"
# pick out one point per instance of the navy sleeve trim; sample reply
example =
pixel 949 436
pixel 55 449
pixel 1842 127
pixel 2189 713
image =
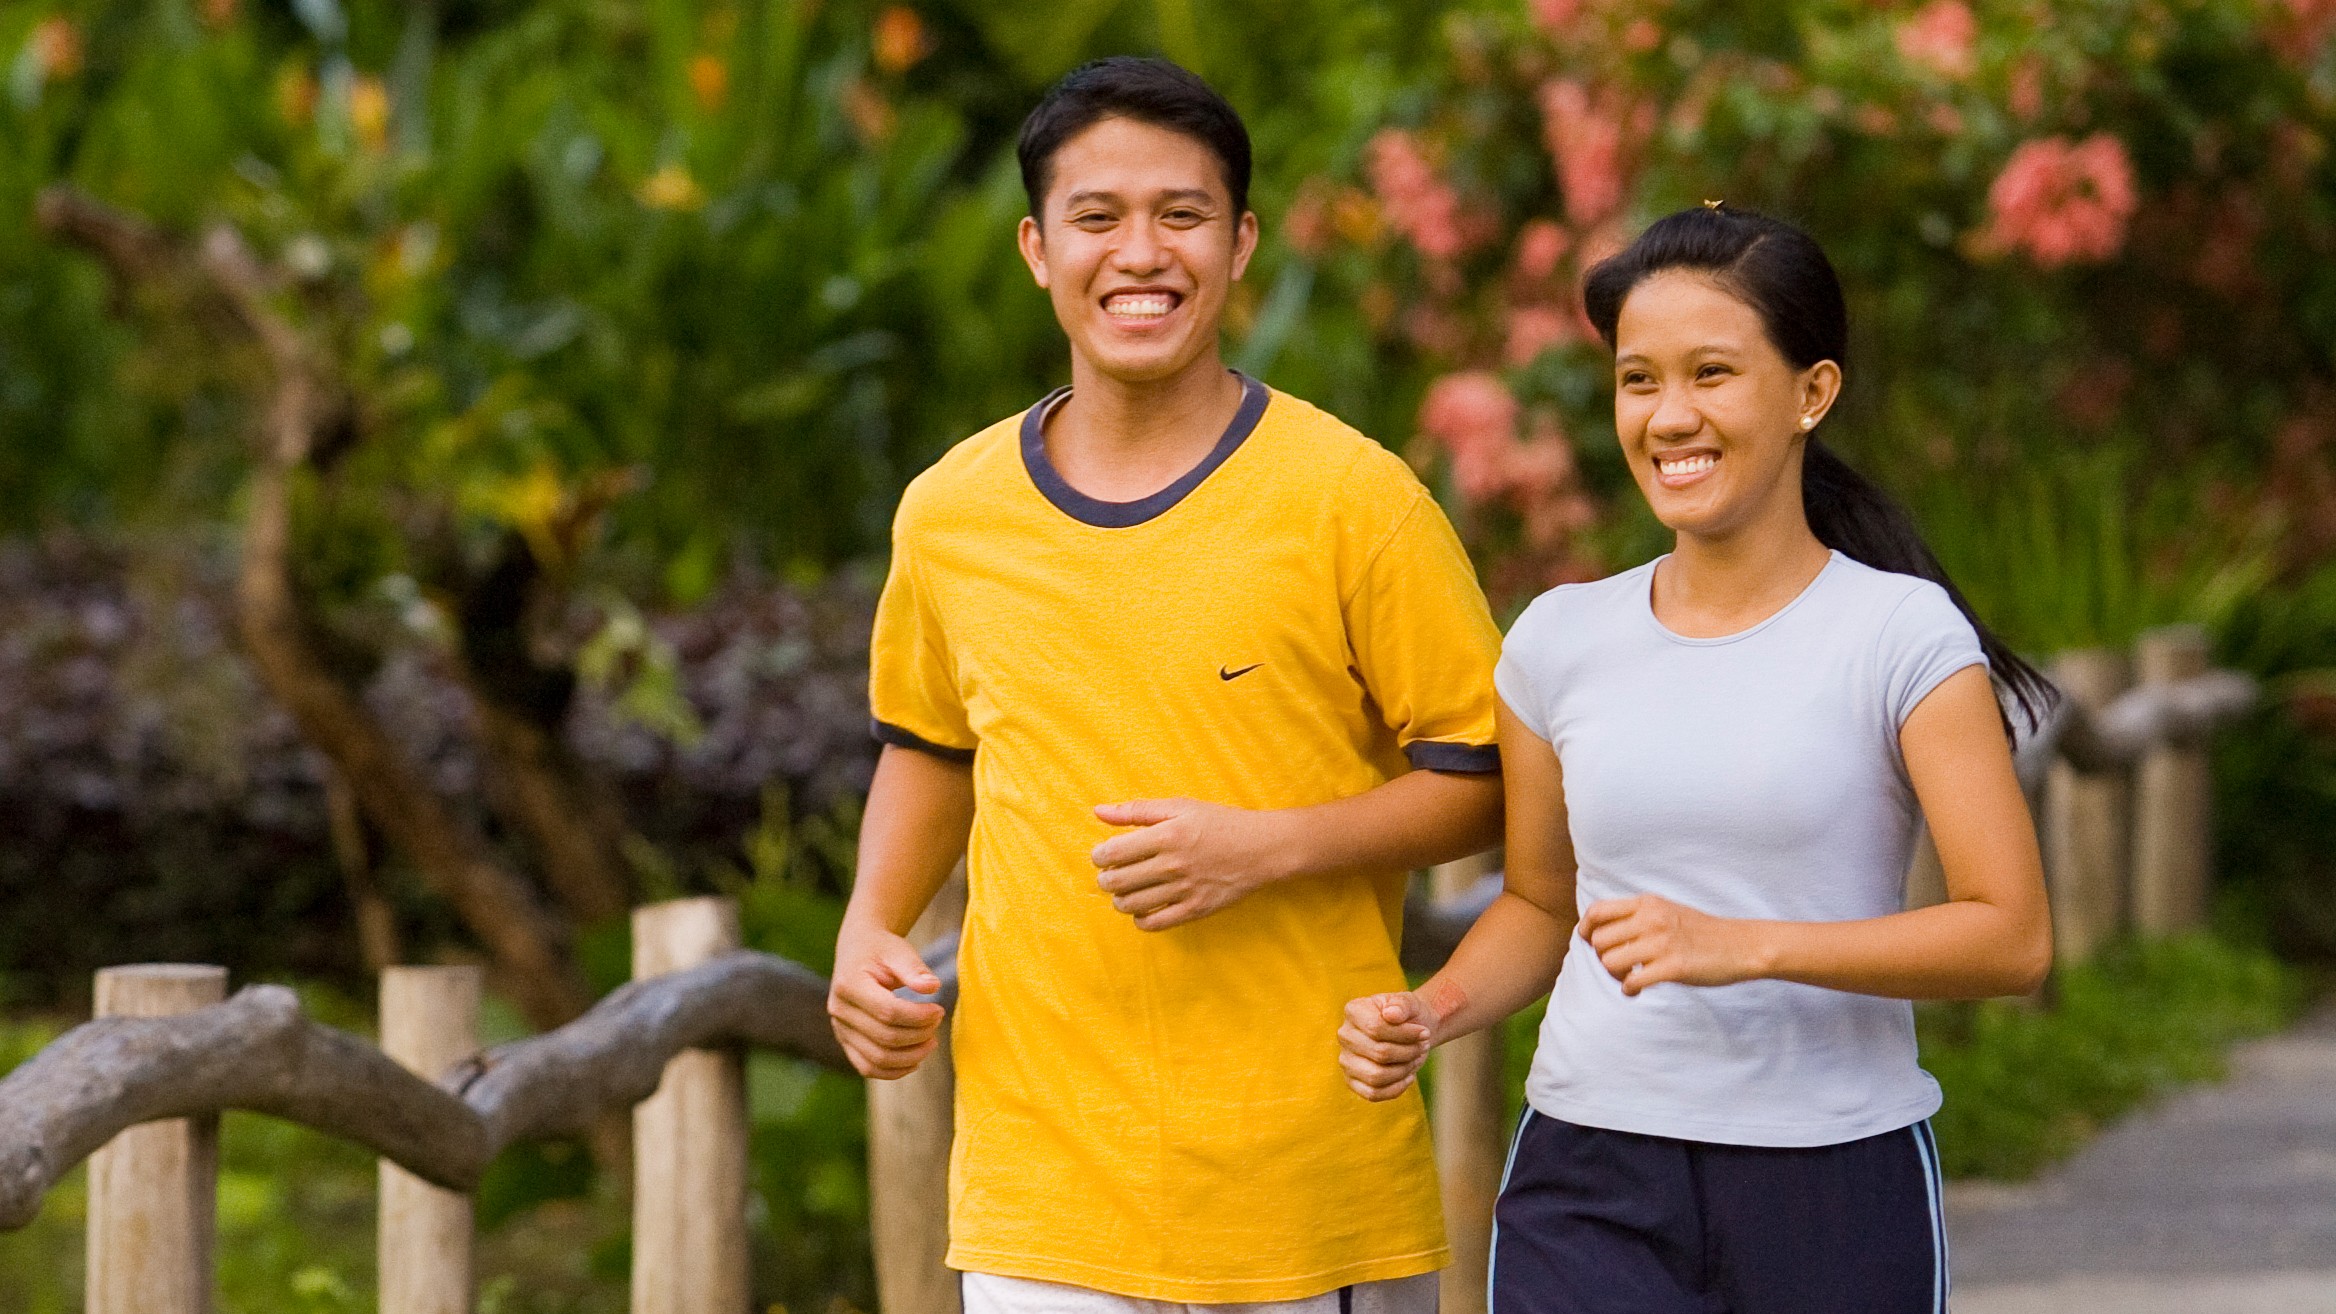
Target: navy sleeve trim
pixel 1468 759
pixel 888 733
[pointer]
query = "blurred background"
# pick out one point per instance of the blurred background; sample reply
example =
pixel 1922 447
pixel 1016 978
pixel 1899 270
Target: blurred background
pixel 631 318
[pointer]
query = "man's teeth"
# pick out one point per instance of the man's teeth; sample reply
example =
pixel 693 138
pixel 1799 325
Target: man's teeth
pixel 1140 307
pixel 1686 465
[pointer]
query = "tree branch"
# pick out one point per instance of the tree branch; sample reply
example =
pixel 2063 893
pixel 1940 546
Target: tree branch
pixel 496 903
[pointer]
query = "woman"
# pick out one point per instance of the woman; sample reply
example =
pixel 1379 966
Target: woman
pixel 1717 765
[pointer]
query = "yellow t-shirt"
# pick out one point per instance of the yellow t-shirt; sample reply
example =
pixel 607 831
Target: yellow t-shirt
pixel 1161 1114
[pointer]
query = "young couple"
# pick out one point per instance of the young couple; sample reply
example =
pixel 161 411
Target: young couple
pixel 1193 674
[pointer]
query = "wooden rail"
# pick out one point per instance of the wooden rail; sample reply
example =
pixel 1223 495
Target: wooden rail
pixel 2120 771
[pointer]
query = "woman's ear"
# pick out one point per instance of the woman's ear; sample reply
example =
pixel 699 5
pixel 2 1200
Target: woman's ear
pixel 1820 387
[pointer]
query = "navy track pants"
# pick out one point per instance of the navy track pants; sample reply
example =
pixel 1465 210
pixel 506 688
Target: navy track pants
pixel 1592 1221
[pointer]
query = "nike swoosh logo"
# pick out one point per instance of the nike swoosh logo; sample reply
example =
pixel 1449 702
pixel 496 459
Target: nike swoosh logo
pixel 1224 674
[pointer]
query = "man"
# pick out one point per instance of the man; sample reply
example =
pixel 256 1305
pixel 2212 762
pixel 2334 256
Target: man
pixel 1156 656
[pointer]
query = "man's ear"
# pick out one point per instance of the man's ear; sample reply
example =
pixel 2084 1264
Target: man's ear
pixel 1033 246
pixel 1244 243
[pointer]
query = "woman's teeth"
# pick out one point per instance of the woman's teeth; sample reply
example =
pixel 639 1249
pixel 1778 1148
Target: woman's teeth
pixel 1686 465
pixel 1145 306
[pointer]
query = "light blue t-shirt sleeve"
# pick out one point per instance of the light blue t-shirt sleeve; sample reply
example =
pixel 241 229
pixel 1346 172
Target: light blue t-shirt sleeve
pixel 1925 640
pixel 1524 663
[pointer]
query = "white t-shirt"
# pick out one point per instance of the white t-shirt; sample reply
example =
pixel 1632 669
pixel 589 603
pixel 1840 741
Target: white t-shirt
pixel 1755 775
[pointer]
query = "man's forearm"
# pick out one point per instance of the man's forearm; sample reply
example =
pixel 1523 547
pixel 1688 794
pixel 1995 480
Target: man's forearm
pixel 920 811
pixel 1418 819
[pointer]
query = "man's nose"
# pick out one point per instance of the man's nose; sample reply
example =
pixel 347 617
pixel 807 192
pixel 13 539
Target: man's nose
pixel 1141 251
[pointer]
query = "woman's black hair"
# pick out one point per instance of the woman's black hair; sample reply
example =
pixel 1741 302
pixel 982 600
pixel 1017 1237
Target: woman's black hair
pixel 1147 90
pixel 1783 275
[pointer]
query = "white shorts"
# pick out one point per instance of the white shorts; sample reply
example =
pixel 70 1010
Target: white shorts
pixel 987 1293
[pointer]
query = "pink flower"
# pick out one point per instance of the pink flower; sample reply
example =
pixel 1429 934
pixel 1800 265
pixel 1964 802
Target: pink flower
pixel 1540 245
pixel 1941 37
pixel 1585 139
pixel 1944 119
pixel 2301 32
pixel 1307 224
pixel 1535 329
pixel 2024 96
pixel 1554 16
pixel 1643 35
pixel 1473 416
pixel 1421 205
pixel 2062 202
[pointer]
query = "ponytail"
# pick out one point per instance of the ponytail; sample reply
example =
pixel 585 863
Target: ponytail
pixel 1849 514
pixel 1783 275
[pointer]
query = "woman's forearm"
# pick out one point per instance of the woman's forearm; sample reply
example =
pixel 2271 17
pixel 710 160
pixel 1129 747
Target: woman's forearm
pixel 1507 960
pixel 1962 949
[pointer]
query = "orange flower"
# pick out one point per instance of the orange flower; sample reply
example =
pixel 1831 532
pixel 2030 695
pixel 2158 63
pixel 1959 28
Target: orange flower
pixel 369 111
pixel 1356 216
pixel 219 13
pixel 709 81
pixel 870 113
pixel 56 49
pixel 296 95
pixel 900 39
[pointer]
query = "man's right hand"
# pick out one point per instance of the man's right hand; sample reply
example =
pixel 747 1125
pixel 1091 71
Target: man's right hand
pixel 885 1036
pixel 1384 1041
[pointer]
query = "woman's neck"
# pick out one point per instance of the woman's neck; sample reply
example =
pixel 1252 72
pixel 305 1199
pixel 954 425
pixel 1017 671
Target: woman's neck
pixel 1714 586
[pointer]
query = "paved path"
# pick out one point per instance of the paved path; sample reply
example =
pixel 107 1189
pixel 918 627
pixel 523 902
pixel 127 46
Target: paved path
pixel 2222 1200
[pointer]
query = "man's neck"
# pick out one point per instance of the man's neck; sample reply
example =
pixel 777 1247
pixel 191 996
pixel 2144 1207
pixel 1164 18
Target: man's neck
pixel 1120 441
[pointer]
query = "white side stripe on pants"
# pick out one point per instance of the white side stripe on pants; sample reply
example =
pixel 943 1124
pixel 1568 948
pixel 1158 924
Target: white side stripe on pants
pixel 1928 1150
pixel 1493 1243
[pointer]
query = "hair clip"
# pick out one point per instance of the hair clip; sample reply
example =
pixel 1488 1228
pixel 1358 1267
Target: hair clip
pixel 1713 205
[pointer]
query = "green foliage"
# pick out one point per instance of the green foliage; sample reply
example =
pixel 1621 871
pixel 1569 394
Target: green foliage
pixel 2025 1086
pixel 2078 549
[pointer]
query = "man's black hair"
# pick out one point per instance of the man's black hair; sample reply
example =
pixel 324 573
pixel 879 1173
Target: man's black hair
pixel 1150 91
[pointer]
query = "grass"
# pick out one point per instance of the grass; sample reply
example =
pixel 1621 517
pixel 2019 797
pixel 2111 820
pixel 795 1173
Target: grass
pixel 2027 1086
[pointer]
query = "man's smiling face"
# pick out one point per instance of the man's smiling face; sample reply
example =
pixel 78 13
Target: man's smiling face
pixel 1137 244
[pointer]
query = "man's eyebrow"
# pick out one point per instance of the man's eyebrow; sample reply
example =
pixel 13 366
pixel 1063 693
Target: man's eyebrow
pixel 1095 194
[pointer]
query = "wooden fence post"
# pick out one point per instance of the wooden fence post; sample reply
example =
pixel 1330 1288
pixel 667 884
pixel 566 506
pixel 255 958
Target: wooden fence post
pixel 429 1023
pixel 911 1123
pixel 689 1139
pixel 1470 1116
pixel 2087 825
pixel 153 1190
pixel 2173 801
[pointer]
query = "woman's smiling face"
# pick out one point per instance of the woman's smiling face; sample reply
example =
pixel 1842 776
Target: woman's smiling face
pixel 1710 414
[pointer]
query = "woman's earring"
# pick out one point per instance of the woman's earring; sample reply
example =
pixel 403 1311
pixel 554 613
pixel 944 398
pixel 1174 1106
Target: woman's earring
pixel 1808 422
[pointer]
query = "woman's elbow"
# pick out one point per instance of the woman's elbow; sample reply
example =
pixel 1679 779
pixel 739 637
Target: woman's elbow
pixel 2030 961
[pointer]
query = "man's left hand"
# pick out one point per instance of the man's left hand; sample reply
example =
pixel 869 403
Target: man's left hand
pixel 1189 858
